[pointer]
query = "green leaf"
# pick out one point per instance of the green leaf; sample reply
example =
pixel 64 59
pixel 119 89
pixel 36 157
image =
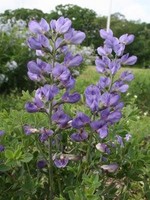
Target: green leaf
pixel 4 168
pixel 9 154
pixel 71 194
pixel 27 157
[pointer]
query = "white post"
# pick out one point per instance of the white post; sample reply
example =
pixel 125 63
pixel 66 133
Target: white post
pixel 109 15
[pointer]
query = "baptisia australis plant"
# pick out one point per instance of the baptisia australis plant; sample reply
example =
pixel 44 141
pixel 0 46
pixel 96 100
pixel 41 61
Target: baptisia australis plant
pixel 54 70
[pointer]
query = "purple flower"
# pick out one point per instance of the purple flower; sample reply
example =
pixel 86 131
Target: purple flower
pixel 62 25
pixel 29 130
pixel 104 51
pixel 39 42
pixel 80 136
pixel 47 92
pixel 111 42
pixel 126 39
pixel 74 37
pixel 101 64
pixel 2 132
pixel 127 76
pixel 62 162
pixel 119 106
pixel 104 113
pixel 120 140
pixel 69 83
pixel 31 107
pixel 104 82
pixel 39 28
pixel 35 106
pixel 119 86
pixel 127 137
pixel 71 98
pixel 126 60
pixel 37 69
pixel 100 127
pixel 110 168
pixel 92 95
pixel 72 61
pixel 34 43
pixel 45 134
pixel 105 34
pixel 103 148
pixel 2 148
pixel 114 117
pixel 109 99
pixel 61 118
pixel 61 72
pixel 114 66
pixel 41 164
pixel 80 121
pixel 45 42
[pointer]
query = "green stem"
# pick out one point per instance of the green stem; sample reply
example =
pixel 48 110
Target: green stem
pixel 50 160
pixel 90 142
pixel 50 170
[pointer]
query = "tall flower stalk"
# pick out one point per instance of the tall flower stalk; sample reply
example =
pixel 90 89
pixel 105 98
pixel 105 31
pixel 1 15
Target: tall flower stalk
pixel 54 70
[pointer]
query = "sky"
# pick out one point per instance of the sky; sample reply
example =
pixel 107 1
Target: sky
pixel 132 9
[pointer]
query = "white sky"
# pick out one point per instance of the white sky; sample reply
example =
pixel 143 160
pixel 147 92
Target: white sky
pixel 132 9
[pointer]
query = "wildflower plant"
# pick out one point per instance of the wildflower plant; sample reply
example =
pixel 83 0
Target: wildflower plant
pixel 80 143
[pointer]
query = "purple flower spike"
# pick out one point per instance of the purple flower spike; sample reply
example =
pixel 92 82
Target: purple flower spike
pixel 71 98
pixel 2 132
pixel 62 162
pixel 29 130
pixel 2 148
pixel 110 168
pixel 80 121
pixel 41 164
pixel 74 37
pixel 80 136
